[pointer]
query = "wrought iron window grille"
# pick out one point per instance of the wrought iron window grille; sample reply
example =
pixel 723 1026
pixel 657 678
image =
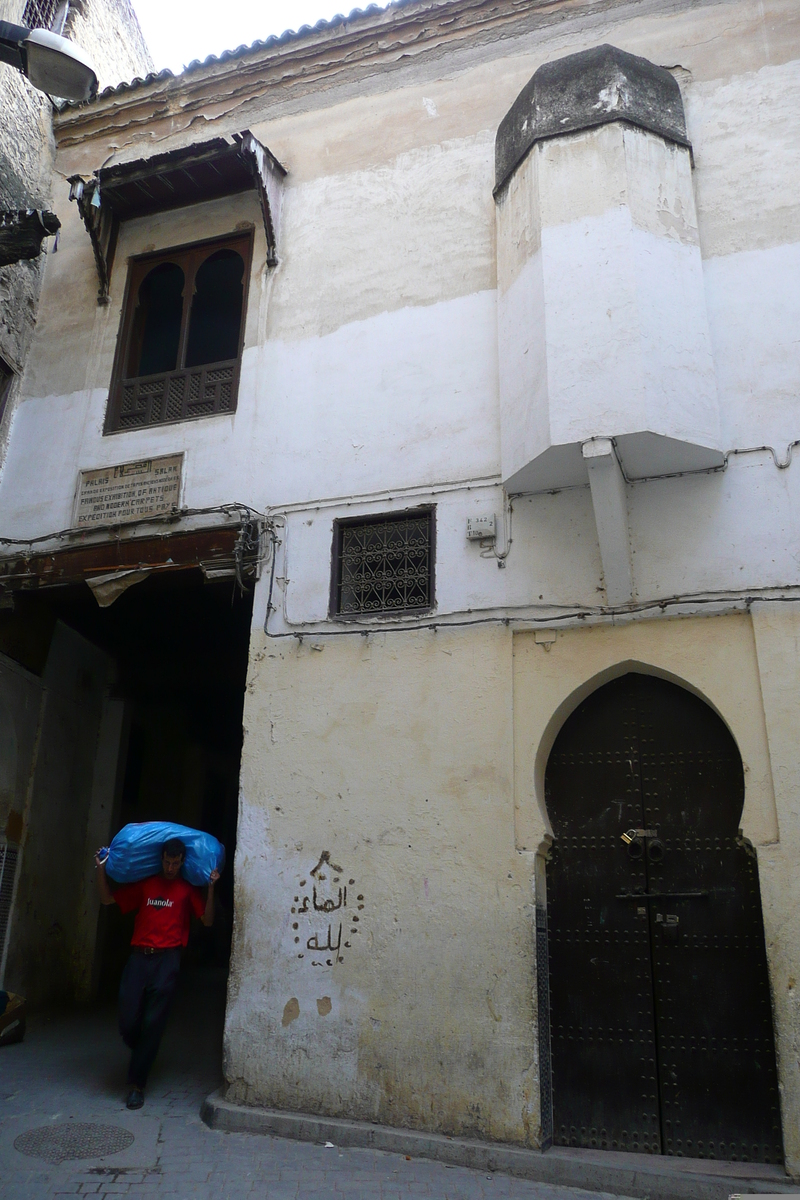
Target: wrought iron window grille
pixel 45 14
pixel 384 565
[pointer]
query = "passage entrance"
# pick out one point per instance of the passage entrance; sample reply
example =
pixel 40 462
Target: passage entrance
pixel 661 1027
pixel 141 721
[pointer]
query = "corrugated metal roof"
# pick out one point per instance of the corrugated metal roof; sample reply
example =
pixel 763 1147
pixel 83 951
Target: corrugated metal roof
pixel 289 35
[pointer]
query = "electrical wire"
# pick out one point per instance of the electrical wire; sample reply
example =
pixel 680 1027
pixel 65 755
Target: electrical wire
pixel 157 519
pixel 723 466
pixel 553 615
pixel 491 550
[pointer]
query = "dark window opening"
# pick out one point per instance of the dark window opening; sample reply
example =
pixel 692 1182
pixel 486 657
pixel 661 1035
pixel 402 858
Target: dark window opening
pixel 6 379
pixel 180 344
pixel 216 309
pixel 156 331
pixel 384 564
pixel 41 14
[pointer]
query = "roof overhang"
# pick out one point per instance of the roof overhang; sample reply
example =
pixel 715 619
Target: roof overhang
pixel 175 179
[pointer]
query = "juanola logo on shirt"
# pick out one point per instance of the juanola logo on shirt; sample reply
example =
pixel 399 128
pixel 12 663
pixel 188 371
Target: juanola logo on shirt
pixel 158 902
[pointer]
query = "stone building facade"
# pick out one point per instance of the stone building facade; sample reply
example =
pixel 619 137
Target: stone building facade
pixel 109 33
pixel 498 425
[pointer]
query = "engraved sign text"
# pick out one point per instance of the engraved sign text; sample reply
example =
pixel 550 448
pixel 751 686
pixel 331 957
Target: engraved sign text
pixel 129 492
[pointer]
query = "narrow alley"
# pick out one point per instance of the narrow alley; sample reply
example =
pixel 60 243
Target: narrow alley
pixel 70 1069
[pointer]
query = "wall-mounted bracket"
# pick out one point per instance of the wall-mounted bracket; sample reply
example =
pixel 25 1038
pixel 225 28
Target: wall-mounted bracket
pixel 102 226
pixel 611 517
pixel 268 175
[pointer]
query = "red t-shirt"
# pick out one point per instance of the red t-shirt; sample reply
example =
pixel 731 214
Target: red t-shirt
pixel 164 908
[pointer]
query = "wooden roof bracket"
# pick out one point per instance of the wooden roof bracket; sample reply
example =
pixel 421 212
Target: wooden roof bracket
pixel 99 198
pixel 102 225
pixel 268 175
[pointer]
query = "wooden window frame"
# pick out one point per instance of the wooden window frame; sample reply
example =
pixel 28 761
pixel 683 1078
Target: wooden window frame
pixel 187 393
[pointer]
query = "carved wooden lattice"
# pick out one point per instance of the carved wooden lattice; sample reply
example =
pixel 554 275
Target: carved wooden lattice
pixel 179 395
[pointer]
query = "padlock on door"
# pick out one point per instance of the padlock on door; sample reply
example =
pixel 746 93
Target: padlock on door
pixel 668 924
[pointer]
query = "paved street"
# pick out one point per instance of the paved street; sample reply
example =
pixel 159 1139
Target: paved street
pixel 70 1070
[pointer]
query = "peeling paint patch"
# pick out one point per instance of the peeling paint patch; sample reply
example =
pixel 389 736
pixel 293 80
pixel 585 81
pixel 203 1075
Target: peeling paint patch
pixel 324 1005
pixel 291 1011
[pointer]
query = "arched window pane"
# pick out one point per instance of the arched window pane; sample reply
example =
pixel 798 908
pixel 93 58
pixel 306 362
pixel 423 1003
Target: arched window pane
pixel 157 322
pixel 216 317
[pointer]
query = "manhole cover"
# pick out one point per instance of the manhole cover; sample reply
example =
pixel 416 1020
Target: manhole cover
pixel 58 1143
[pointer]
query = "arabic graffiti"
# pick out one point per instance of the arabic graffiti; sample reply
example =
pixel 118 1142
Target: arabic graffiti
pixel 328 894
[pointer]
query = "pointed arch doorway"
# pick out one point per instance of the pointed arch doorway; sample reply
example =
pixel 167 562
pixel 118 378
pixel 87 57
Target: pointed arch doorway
pixel 660 1016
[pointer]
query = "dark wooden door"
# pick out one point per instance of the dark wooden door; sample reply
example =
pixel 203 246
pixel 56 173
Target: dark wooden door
pixel 661 1026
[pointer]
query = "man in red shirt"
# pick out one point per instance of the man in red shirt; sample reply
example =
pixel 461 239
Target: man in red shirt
pixel 164 905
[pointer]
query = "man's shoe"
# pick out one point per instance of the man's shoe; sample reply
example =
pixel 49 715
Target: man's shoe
pixel 135 1098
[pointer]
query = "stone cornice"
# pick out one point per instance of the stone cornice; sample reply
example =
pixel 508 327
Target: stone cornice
pixel 320 59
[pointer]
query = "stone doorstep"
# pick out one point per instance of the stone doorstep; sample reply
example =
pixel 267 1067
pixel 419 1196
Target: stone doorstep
pixel 649 1177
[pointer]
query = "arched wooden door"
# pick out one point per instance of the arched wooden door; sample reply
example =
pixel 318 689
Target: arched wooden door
pixel 661 1025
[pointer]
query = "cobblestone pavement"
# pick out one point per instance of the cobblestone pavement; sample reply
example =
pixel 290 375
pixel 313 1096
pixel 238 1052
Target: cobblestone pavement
pixel 71 1069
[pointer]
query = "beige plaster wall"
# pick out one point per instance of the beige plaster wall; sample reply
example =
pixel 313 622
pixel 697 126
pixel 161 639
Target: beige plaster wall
pixel 392 753
pixel 390 176
pixel 777 638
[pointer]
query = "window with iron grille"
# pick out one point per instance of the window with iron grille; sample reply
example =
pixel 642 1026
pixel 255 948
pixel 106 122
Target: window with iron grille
pixel 383 564
pixel 40 14
pixel 180 344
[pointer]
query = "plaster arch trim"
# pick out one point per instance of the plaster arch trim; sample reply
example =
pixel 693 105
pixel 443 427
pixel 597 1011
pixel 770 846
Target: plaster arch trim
pixel 714 659
pixel 592 684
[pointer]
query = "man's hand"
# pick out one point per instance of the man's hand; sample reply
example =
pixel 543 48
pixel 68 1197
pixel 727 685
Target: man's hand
pixel 104 891
pixel 208 916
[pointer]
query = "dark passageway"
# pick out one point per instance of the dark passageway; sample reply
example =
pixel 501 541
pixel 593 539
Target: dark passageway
pixel 150 728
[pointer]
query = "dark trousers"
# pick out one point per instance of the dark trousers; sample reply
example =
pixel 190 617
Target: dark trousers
pixel 145 995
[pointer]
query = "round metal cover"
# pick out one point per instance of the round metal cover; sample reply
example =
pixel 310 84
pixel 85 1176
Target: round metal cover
pixel 58 1143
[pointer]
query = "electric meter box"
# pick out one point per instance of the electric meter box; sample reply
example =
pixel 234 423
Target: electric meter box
pixel 481 528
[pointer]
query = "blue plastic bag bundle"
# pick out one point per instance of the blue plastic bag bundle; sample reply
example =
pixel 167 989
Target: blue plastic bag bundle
pixel 135 852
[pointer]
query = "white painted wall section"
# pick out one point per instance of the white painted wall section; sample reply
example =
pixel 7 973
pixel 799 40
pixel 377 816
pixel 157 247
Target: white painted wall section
pixel 602 322
pixel 611 517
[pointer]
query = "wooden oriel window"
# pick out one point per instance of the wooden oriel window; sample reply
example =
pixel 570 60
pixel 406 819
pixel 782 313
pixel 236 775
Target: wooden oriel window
pixel 180 344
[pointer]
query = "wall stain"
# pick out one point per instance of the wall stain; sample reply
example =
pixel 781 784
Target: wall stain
pixel 291 1012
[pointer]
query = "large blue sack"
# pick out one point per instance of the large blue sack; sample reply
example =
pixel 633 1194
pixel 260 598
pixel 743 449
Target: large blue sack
pixel 135 852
